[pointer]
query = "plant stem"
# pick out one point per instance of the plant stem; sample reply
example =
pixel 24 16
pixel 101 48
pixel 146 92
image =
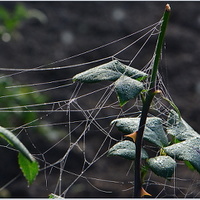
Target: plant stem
pixel 148 100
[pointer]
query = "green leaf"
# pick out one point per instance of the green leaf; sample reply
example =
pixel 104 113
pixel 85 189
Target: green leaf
pixel 54 196
pixel 95 75
pixel 188 150
pixel 126 125
pixel 163 166
pixel 153 132
pixel 125 149
pixel 155 124
pixel 110 71
pixel 127 88
pixel 29 169
pixel 188 164
pixel 179 128
pixel 15 142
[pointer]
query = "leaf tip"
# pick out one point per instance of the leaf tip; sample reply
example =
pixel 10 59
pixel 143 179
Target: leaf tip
pixel 29 168
pixel 122 103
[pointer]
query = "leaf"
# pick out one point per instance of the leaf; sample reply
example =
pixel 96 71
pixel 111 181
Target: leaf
pixel 153 132
pixel 155 124
pixel 163 166
pixel 95 75
pixel 29 169
pixel 188 150
pixel 188 164
pixel 126 125
pixel 54 196
pixel 125 149
pixel 110 71
pixel 127 88
pixel 15 142
pixel 179 128
pixel 26 161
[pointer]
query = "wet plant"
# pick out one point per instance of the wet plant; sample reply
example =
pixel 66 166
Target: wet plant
pixel 26 161
pixel 174 138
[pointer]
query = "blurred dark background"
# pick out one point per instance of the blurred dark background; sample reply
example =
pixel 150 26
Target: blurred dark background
pixel 58 30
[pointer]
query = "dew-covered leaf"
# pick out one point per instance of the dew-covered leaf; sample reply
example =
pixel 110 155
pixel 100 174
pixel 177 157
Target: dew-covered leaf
pixel 179 128
pixel 163 166
pixel 29 169
pixel 127 125
pixel 97 74
pixel 155 124
pixel 153 132
pixel 125 149
pixel 110 71
pixel 127 88
pixel 188 150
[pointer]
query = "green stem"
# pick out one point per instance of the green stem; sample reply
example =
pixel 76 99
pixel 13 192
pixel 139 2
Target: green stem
pixel 146 105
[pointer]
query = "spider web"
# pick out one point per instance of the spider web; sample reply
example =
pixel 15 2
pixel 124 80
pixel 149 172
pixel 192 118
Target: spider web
pixel 71 133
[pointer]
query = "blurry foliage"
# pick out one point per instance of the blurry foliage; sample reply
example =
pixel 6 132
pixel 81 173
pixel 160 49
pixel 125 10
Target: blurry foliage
pixel 17 96
pixel 14 113
pixel 11 21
